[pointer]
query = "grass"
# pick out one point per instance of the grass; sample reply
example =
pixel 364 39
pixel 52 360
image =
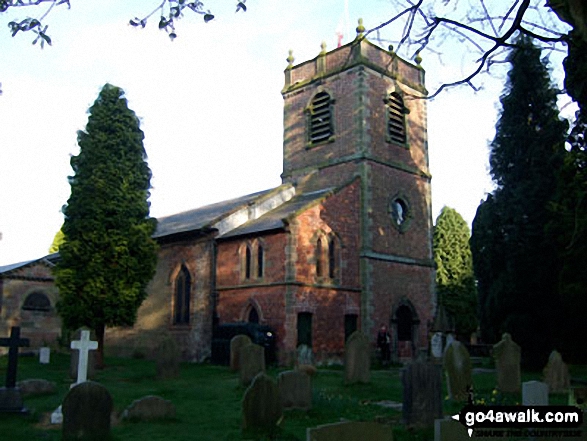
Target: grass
pixel 208 401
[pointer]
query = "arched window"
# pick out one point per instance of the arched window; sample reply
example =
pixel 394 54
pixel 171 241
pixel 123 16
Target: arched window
pixel 320 118
pixel 253 315
pixel 331 258
pixel 181 312
pixel 37 301
pixel 319 257
pixel 396 122
pixel 248 262
pixel 260 257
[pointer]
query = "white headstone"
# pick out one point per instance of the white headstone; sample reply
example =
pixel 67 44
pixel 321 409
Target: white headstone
pixel 534 393
pixel 436 345
pixel 44 355
pixel 84 345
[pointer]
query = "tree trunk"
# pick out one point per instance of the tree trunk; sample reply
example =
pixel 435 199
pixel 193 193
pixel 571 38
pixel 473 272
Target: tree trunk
pixel 100 352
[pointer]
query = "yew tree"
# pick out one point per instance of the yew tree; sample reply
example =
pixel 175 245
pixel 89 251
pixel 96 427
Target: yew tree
pixel 455 281
pixel 108 255
pixel 516 260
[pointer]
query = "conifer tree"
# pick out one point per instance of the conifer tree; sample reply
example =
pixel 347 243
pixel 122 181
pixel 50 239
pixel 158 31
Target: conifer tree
pixel 455 281
pixel 108 255
pixel 517 259
pixel 569 226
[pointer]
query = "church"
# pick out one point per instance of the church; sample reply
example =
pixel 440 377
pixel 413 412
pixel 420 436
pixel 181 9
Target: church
pixel 344 243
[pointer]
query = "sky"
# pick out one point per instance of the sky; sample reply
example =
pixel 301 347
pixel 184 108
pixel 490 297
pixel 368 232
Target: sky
pixel 209 103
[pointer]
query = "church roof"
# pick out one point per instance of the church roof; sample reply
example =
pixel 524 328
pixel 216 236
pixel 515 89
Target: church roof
pixel 276 219
pixel 206 216
pixel 50 259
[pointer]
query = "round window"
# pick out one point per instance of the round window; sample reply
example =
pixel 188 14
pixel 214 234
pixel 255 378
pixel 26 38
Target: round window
pixel 399 211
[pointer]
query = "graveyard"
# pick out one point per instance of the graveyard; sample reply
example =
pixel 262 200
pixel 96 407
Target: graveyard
pixel 207 402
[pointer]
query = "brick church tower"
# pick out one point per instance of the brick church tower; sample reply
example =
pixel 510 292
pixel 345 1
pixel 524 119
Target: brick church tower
pixel 356 113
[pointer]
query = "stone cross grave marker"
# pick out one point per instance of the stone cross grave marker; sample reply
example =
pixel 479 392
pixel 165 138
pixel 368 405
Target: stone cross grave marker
pixel 10 396
pixel 83 345
pixel 13 343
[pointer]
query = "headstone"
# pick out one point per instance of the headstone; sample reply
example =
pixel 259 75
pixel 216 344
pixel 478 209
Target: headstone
pixel 507 356
pixel 252 362
pixel 305 356
pixel 457 365
pixel 308 369
pixel 149 408
pixel 534 393
pixel 81 357
pixel 86 412
pixel 237 342
pixel 262 410
pixel 578 397
pixel 10 395
pixel 556 374
pixel 357 359
pixel 44 355
pixel 350 431
pixel 295 388
pixel 167 359
pixel 436 345
pixel 36 386
pixel 450 430
pixel 422 393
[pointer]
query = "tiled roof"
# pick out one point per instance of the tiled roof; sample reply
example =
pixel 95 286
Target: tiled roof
pixel 51 258
pixel 274 219
pixel 203 217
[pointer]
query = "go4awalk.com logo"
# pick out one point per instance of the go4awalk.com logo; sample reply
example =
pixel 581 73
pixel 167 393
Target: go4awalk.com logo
pixel 475 417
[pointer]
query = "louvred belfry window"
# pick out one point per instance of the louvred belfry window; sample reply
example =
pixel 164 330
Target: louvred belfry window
pixel 320 114
pixel 396 125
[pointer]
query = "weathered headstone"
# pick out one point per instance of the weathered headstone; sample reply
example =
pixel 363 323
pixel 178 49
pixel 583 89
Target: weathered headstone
pixel 457 365
pixel 149 408
pixel 81 357
pixel 422 393
pixel 578 397
pixel 436 345
pixel 237 342
pixel 44 355
pixel 36 386
pixel 262 410
pixel 534 393
pixel 304 355
pixel 86 412
pixel 295 388
pixel 556 374
pixel 167 359
pixel 507 355
pixel 448 429
pixel 252 362
pixel 357 359
pixel 350 431
pixel 10 395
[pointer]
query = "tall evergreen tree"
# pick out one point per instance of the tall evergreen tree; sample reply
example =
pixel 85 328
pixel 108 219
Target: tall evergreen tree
pixel 108 255
pixel 569 227
pixel 515 258
pixel 455 281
